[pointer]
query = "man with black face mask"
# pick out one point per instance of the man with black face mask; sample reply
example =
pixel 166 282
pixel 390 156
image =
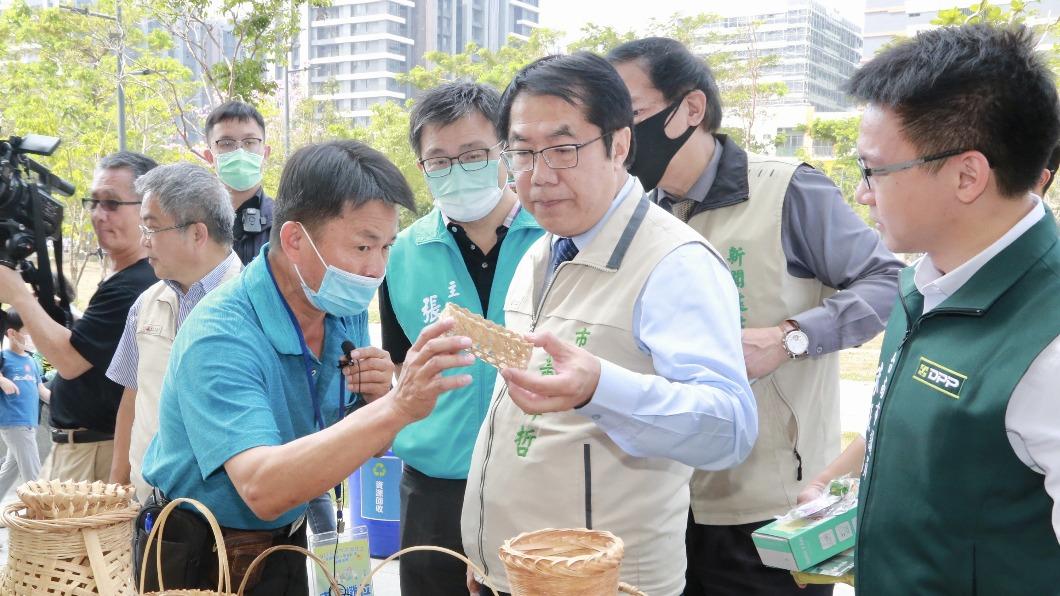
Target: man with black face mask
pixel 813 279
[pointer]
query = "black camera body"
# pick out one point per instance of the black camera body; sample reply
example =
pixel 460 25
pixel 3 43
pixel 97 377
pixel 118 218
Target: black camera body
pixel 30 216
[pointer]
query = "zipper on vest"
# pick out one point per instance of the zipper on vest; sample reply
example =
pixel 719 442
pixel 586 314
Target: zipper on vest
pixel 898 359
pixel 482 480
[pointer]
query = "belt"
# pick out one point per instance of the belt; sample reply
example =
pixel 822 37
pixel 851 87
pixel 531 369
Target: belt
pixel 60 435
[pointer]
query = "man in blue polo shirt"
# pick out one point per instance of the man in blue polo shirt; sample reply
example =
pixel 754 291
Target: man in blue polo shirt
pixel 252 410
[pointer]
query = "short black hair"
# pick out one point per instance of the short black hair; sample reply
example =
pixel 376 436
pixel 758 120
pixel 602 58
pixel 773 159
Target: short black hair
pixel 972 87
pixel 233 110
pixel 674 71
pixel 583 80
pixel 320 179
pixel 449 102
pixel 137 163
pixel 13 320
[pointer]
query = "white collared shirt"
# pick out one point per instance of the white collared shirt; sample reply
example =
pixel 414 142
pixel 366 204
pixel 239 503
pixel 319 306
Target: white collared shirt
pixel 1032 419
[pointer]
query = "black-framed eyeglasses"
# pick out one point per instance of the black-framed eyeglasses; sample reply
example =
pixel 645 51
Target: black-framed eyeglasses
pixel 470 161
pixel 867 172
pixel 251 144
pixel 557 157
pixel 90 204
pixel 148 232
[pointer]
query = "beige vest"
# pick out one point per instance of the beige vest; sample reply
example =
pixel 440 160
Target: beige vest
pixel 528 472
pixel 798 404
pixel 156 327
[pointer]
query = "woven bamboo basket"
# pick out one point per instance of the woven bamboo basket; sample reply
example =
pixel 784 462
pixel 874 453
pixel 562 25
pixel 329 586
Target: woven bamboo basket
pixel 60 499
pixel 323 566
pixel 224 578
pixel 74 556
pixel 564 562
pixel 412 549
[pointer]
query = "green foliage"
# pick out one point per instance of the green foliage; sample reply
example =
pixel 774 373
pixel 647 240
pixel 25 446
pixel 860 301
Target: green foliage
pixel 60 77
pixel 388 132
pixel 842 167
pixel 482 64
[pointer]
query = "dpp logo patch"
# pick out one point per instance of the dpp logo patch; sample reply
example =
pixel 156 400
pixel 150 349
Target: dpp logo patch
pixel 940 378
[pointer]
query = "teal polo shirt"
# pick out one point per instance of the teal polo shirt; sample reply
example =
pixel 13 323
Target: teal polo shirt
pixel 237 380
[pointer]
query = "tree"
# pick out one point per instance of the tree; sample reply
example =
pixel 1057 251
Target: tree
pixel 60 74
pixel 230 41
pixel 842 167
pixel 744 93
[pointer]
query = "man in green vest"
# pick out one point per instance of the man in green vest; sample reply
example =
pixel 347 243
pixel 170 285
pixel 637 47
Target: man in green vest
pixel 464 251
pixel 813 279
pixel 958 493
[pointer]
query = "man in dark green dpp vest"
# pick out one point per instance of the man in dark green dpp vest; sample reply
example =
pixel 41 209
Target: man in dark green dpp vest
pixel 963 460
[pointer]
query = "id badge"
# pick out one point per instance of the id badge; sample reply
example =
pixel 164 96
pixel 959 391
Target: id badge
pixel 347 557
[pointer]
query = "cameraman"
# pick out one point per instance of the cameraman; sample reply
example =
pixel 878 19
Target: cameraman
pixel 84 402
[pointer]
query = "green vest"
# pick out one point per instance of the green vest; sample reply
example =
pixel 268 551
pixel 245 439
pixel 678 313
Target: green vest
pixel 946 506
pixel 425 272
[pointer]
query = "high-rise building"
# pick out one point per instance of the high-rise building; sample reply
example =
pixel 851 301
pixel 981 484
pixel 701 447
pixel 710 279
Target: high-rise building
pixel 817 49
pixel 887 19
pixel 351 52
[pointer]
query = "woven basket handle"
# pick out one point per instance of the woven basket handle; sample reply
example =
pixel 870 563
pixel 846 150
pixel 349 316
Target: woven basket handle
pixel 265 553
pixel 368 580
pixel 224 579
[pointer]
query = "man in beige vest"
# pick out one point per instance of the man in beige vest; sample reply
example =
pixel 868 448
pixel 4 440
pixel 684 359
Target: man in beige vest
pixel 812 279
pixel 628 388
pixel 187 232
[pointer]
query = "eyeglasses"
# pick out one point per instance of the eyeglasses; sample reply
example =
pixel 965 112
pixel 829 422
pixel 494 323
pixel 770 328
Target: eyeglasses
pixel 251 144
pixel 107 204
pixel 470 161
pixel 557 157
pixel 867 172
pixel 148 232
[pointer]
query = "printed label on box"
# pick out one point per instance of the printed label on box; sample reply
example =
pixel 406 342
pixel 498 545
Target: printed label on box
pixel 845 531
pixel 827 539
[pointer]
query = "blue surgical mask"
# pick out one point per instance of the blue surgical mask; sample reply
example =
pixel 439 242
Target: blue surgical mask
pixel 467 196
pixel 341 293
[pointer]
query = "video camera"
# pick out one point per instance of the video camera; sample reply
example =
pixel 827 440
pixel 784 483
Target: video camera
pixel 30 217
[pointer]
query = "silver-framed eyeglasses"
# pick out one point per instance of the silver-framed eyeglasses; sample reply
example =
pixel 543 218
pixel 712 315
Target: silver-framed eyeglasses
pixel 251 144
pixel 148 232
pixel 471 160
pixel 557 157
pixel 867 172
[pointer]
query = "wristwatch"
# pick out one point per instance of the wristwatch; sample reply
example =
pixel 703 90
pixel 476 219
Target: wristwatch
pixel 796 343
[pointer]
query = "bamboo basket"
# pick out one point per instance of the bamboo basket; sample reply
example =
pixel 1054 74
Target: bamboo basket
pixel 73 556
pixel 224 578
pixel 61 499
pixel 564 562
pixel 412 549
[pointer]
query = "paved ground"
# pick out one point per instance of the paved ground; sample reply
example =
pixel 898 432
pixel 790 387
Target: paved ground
pixel 854 416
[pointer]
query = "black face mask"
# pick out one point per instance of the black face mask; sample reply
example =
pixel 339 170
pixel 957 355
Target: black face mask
pixel 654 148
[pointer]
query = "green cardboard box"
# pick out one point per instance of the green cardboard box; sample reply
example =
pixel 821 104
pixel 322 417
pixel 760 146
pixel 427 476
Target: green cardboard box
pixel 800 544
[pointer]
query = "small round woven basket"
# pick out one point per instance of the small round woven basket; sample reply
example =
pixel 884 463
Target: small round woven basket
pixel 73 556
pixel 61 499
pixel 564 562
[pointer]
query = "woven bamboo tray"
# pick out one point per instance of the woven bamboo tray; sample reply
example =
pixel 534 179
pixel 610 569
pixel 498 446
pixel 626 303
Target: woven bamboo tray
pixel 61 499
pixel 564 562
pixel 74 556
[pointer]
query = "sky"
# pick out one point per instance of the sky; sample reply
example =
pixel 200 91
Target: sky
pixel 570 15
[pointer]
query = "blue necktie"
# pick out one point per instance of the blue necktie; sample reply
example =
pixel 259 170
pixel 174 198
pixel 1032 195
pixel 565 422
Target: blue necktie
pixel 563 250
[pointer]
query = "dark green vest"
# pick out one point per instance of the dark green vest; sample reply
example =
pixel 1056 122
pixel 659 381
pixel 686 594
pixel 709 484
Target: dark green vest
pixel 946 507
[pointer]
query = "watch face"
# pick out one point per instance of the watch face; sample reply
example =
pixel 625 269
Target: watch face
pixel 797 342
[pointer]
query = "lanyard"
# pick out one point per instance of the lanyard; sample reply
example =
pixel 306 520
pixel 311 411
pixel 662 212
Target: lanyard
pixel 318 416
